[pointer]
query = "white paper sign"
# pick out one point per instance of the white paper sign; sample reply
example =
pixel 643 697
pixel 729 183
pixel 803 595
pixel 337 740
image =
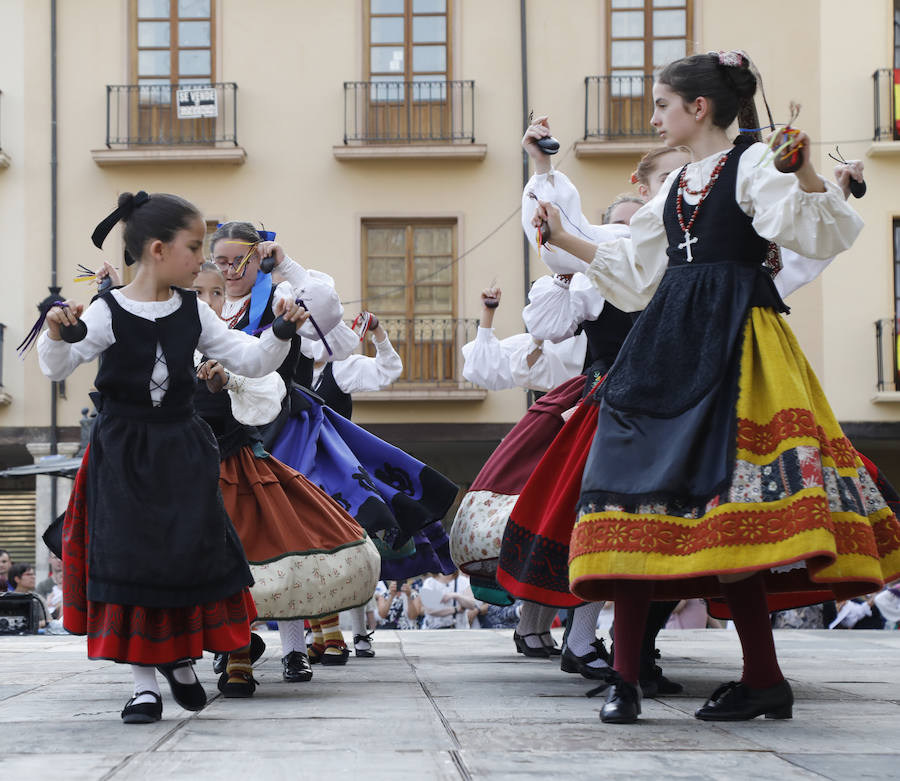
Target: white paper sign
pixel 197 102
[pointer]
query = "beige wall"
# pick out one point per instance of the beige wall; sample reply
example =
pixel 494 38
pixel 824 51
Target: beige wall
pixel 290 67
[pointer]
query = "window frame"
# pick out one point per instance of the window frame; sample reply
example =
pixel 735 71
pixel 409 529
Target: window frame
pixel 173 47
pixel 408 72
pixel 410 223
pixel 648 8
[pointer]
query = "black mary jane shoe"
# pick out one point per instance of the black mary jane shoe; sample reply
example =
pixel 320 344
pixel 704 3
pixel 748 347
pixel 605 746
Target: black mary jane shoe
pixel 522 646
pixel 550 644
pixel 363 653
pixel 144 712
pixel 334 660
pixel 240 689
pixel 190 696
pixel 738 702
pixel 257 648
pixel 295 667
pixel 570 663
pixel 623 703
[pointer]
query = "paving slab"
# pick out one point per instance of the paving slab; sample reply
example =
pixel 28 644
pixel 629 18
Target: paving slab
pixel 456 705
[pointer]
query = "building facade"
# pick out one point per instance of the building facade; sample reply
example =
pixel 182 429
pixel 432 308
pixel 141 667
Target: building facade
pixel 380 139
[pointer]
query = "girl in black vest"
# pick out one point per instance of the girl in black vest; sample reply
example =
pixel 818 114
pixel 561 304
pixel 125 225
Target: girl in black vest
pixel 155 573
pixel 717 462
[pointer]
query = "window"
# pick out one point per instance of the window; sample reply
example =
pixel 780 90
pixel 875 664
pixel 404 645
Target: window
pixel 643 36
pixel 408 41
pixel 409 281
pixel 646 34
pixel 173 45
pixel 407 59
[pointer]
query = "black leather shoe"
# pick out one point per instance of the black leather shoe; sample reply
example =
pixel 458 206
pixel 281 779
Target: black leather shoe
pixel 257 648
pixel 190 696
pixel 220 662
pixel 295 667
pixel 655 684
pixel 364 653
pixel 540 652
pixel 738 702
pixel 570 663
pixel 600 647
pixel 623 703
pixel 143 713
pixel 550 644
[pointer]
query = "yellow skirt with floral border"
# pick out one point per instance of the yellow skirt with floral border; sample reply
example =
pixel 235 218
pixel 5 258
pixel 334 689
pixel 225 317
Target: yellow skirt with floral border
pixel 800 506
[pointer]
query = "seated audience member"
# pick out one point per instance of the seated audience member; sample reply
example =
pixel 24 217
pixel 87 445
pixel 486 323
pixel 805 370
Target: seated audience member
pixel 448 602
pixel 50 590
pixel 21 577
pixel 5 563
pixel 398 605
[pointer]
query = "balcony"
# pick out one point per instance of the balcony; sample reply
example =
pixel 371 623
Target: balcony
pixel 617 111
pixel 887 119
pixel 167 123
pixel 886 348
pixel 4 158
pixel 409 119
pixel 431 351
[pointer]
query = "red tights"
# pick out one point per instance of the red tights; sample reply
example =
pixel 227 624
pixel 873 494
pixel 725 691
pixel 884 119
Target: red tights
pixel 747 602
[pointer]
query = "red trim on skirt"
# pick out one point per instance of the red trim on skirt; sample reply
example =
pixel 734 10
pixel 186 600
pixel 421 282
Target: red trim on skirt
pixel 534 556
pixel 140 635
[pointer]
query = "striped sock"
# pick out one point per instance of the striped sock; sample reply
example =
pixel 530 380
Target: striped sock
pixel 334 640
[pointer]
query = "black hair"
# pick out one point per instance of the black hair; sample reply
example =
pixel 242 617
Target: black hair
pixel 3 550
pixel 16 571
pixel 233 230
pixel 730 88
pixel 160 217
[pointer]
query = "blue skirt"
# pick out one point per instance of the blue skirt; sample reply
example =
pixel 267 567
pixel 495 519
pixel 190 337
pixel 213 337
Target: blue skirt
pixel 393 496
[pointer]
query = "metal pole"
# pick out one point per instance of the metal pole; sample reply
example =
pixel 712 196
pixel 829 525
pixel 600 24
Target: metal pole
pixel 54 287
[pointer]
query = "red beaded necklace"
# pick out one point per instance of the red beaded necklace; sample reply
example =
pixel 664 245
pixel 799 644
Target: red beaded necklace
pixel 679 200
pixel 233 320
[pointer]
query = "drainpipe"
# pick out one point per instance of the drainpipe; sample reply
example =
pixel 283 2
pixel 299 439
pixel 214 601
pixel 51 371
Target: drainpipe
pixel 526 281
pixel 54 287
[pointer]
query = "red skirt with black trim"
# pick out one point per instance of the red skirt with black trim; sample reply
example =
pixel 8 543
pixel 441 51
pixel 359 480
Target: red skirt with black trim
pixel 534 554
pixel 139 635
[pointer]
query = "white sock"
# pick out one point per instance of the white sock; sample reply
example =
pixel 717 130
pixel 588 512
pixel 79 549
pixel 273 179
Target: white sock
pixel 529 624
pixel 583 631
pixel 185 674
pixel 144 681
pixel 358 626
pixel 292 636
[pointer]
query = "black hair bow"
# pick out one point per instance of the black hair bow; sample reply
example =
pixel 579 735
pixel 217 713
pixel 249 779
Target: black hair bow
pixel 122 212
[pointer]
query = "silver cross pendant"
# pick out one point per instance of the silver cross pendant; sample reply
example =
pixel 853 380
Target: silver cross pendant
pixel 686 244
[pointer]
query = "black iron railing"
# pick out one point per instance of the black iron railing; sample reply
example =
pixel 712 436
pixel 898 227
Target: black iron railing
pixel 887 120
pixel 409 112
pixel 430 348
pixel 886 354
pixel 164 115
pixel 618 107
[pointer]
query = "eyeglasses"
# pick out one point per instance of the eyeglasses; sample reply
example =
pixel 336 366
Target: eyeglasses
pixel 238 268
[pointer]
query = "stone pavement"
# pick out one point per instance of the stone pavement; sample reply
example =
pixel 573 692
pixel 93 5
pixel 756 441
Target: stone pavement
pixel 455 705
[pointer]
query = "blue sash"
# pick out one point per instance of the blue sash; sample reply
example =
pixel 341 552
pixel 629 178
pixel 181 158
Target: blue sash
pixel 259 300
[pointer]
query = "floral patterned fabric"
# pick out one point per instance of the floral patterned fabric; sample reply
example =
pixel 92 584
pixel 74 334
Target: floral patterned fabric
pixel 798 493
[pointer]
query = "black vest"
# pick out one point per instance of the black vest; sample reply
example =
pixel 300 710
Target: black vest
pixel 124 375
pixel 331 393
